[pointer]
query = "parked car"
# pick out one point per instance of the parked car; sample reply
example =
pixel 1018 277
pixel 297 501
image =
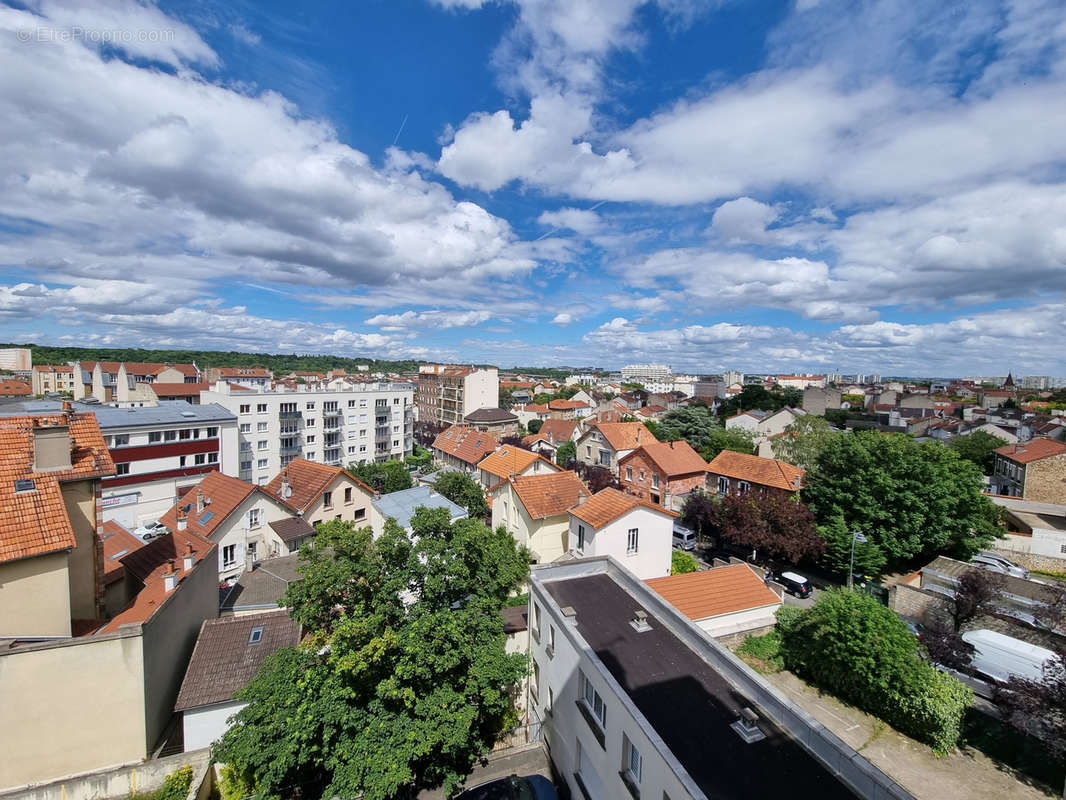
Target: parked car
pixel 794 583
pixel 1000 657
pixel 997 563
pixel 150 530
pixel 534 787
pixel 914 627
pixel 685 538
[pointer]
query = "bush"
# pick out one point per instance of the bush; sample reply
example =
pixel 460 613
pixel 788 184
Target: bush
pixel 862 652
pixel 682 562
pixel 765 649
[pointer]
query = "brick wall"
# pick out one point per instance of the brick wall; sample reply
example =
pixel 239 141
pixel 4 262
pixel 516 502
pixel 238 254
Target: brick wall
pixel 1045 480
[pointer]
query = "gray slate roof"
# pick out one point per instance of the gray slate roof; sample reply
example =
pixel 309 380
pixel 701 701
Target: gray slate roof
pixel 401 505
pixel 490 415
pixel 225 661
pixel 262 586
pixel 173 412
pixel 292 528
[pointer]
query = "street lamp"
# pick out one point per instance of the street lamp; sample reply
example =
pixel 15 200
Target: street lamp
pixel 861 539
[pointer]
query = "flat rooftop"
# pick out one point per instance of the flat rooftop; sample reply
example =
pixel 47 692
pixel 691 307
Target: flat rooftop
pixel 687 702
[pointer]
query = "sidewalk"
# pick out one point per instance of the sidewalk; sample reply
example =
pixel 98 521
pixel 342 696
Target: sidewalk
pixel 965 774
pixel 530 759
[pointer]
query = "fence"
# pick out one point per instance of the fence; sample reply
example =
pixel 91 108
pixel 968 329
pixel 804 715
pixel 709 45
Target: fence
pixel 517 737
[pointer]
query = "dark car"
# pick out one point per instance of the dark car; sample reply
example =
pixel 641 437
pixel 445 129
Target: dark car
pixel 794 583
pixel 535 787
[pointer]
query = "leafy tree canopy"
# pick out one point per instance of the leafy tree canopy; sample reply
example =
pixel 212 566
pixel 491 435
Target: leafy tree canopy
pixel 803 440
pixel 700 513
pixel 911 500
pixel 534 425
pixel 386 477
pixel 772 523
pixel 566 453
pixel 759 397
pixel 698 426
pixel 682 562
pixel 403 681
pixel 978 448
pixel 464 491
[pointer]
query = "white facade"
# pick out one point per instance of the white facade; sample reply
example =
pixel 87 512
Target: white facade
pixel 206 724
pixel 362 423
pixel 16 359
pixel 651 372
pixel 641 540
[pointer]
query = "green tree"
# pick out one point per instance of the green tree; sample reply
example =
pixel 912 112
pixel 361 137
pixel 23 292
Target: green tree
pixel 703 430
pixel 682 562
pixel 719 439
pixel 978 448
pixel 403 680
pixel 506 399
pixel 385 477
pixel 803 440
pixel 464 491
pixel 566 452
pixel 862 652
pixel 911 500
pixel 534 425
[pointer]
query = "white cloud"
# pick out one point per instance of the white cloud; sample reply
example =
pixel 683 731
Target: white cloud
pixel 562 318
pixel 743 220
pixel 434 319
pixel 578 220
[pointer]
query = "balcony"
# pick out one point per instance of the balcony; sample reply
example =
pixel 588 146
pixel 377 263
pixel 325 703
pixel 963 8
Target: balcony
pixel 288 415
pixel 292 447
pixel 334 413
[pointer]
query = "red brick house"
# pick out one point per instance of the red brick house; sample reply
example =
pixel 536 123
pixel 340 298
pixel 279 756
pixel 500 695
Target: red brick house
pixel 663 473
pixel 732 473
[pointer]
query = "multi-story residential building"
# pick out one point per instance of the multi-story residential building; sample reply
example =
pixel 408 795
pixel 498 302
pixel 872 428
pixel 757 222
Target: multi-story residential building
pixel 510 461
pixel 462 447
pixel 731 376
pixel 319 492
pixel 160 452
pixel 800 381
pixel 447 394
pixel 635 532
pixel 242 376
pixel 16 359
pixel 664 473
pixel 1033 470
pixel 649 372
pixel 632 698
pixel 497 421
pixel 604 443
pixel 124 382
pixel 364 422
pixel 47 378
pixel 534 510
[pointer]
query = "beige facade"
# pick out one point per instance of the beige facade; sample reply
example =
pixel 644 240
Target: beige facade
pixel 52 379
pixel 447 394
pixel 344 499
pixel 547 538
pixel 16 359
pixel 245 536
pixel 81 499
pixel 1045 480
pixel 35 597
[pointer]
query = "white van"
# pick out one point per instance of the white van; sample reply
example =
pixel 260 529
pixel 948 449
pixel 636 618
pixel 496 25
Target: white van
pixel 685 538
pixel 1000 657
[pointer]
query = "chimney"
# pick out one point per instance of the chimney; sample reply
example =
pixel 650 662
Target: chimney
pixel 182 519
pixel 51 447
pixel 170 577
pixel 67 407
pixel 199 502
pixel 798 482
pixel 189 559
pixel 638 437
pixel 284 491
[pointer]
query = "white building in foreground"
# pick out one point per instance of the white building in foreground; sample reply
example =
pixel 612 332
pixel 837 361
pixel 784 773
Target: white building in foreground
pixel 361 423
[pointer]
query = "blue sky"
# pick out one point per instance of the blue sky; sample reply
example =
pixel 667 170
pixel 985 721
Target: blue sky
pixel 810 185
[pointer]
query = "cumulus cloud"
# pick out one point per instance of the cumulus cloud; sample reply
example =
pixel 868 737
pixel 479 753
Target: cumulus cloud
pixel 425 319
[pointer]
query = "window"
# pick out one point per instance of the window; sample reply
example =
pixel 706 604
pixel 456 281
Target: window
pixel 262 463
pixel 593 702
pixel 723 485
pixel 743 486
pixel 655 480
pixel 588 451
pixel 362 404
pixel 362 431
pixel 246 465
pixel 170 436
pixel 631 541
pixel 200 459
pixel 212 458
pixel 327 499
pixel 185 434
pixel 310 405
pixel 212 433
pixel 580 538
pixel 351 450
pixel 256 636
pixel 246 408
pixel 629 473
pixel 347 494
pixel 534 682
pixel 262 445
pixel 632 766
pixel 254 518
pixel 246 427
pixel 396 401
pixel 309 423
pixel 1062 548
pixel 155 436
pixel 261 408
pixel 261 427
pixel 122 469
pixel 536 623
pixel 550 649
pixel 229 555
pixel 351 404
pixel 310 438
pixel 605 458
pixel 253 548
pixel 360 513
pixel 246 445
pixel 181 460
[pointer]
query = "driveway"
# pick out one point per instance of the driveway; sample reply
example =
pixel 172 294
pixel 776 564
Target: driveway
pixel 530 759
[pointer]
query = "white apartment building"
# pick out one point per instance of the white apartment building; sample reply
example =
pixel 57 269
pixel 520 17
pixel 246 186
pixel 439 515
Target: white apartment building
pixel 447 394
pixel 648 372
pixel 634 701
pixel 16 359
pixel 360 423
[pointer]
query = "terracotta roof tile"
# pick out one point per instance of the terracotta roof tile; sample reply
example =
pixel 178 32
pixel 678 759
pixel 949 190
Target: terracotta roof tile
pixel 465 443
pixel 713 592
pixel 673 458
pixel 139 367
pixel 1033 450
pixel 15 388
pixel 559 429
pixel 566 405
pixel 117 542
pixel 549 495
pixel 625 435
pixel 307 480
pixel 222 495
pixel 33 518
pixel 755 469
pixel 179 389
pixel 608 505
pixel 225 659
pixel 510 460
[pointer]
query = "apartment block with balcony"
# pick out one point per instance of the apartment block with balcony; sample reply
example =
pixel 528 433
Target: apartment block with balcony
pixel 46 378
pixel 365 422
pixel 447 394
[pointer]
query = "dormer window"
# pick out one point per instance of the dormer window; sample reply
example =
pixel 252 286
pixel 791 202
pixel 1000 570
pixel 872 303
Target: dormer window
pixel 256 636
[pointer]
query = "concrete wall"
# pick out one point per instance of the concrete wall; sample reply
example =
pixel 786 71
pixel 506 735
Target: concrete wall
pixel 121 782
pixel 481 389
pixel 85 560
pixel 35 597
pixel 752 619
pixel 654 541
pixel 202 726
pixel 70 707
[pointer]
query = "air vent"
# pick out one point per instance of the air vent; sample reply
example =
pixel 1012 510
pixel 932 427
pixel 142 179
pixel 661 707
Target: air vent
pixel 189 414
pixel 640 621
pixel 747 727
pixel 25 485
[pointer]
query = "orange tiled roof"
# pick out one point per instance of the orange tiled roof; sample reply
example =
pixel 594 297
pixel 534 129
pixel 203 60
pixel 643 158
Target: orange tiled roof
pixel 536 437
pixel 625 435
pixel 34 521
pixel 566 405
pixel 755 469
pixel 247 372
pixel 222 495
pixel 53 368
pixel 13 388
pixel 673 458
pixel 510 460
pixel 1033 450
pixel 179 389
pixel 608 505
pixel 465 443
pixel 117 542
pixel 307 480
pixel 549 495
pixel 149 564
pixel 725 590
pixel 533 408
pixel 139 367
